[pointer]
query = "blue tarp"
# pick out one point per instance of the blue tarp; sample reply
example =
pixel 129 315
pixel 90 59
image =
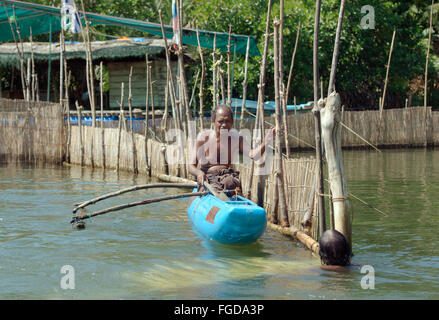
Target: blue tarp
pixel 269 106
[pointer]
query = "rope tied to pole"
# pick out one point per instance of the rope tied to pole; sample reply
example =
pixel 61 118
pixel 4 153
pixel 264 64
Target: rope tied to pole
pixel 331 198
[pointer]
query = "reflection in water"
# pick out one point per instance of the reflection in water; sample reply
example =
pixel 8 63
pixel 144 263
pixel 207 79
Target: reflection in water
pixel 203 272
pixel 152 252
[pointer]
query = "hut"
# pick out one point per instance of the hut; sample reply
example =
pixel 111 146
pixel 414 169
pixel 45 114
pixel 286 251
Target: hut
pixel 118 56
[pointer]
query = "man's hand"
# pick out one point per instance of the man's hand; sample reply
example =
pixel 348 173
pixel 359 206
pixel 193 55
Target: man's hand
pixel 201 177
pixel 270 135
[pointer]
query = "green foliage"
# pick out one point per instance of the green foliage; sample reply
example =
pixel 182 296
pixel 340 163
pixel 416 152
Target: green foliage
pixel 363 54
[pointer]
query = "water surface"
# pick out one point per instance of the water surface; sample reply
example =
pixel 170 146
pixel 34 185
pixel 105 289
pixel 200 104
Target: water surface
pixel 152 252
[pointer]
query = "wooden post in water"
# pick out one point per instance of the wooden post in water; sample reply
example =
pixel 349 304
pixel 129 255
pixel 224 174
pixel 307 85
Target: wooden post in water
pixel 259 121
pixel 173 95
pixel 426 74
pixel 121 117
pixel 133 146
pixel 261 180
pixel 330 118
pixel 101 91
pixel 69 127
pixel 317 128
pixel 278 154
pixel 151 90
pixel 331 85
pixel 147 166
pixel 81 146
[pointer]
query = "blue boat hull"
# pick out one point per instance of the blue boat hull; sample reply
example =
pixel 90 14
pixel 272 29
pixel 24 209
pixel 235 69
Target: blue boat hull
pixel 239 221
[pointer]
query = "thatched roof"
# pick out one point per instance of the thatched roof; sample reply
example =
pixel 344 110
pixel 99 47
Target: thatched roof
pixel 101 50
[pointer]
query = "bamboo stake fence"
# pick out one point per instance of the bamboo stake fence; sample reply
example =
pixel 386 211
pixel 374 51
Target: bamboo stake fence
pixel 36 131
pixel 31 131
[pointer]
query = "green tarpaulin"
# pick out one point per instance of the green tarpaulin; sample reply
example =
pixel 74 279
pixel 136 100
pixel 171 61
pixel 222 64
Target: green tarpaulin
pixel 43 19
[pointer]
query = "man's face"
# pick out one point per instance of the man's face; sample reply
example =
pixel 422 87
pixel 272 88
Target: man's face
pixel 223 120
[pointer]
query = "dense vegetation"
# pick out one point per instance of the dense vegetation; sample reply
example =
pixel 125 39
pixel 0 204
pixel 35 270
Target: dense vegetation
pixel 363 52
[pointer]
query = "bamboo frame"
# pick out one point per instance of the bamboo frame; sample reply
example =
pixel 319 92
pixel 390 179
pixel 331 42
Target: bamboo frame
pixel 317 128
pixel 278 155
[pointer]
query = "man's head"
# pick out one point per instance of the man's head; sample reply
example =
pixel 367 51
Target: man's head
pixel 222 118
pixel 334 249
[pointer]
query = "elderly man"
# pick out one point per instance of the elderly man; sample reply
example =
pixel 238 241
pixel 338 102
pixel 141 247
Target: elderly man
pixel 216 150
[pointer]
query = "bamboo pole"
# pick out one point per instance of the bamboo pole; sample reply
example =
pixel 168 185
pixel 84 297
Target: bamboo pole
pixel 295 105
pixel 130 108
pixel 221 80
pixel 61 65
pixel 336 48
pixel 81 146
pixel 229 85
pixel 28 79
pixel 101 90
pixel 185 97
pixel 383 99
pixel 214 74
pixel 20 53
pixel 151 90
pixel 194 88
pixel 244 83
pixel 426 72
pixel 33 75
pixel 183 169
pixel 49 67
pixel 292 231
pixel 262 73
pixel 69 129
pixel 278 154
pixel 121 118
pixel 95 200
pixel 259 120
pixel 84 216
pixel 290 74
pixel 165 113
pixel 89 65
pixel 173 103
pixel 147 95
pixel 203 71
pixel 168 178
pixel 317 128
pixel 17 29
pixel 147 163
pixel 356 134
pixel 332 139
pixel 261 180
pixel 283 102
pixel 331 86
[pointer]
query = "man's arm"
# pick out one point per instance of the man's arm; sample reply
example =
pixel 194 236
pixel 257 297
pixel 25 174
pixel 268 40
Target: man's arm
pixel 258 152
pixel 193 163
